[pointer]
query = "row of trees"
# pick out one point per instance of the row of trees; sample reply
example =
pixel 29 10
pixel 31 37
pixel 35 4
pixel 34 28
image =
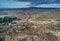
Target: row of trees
pixel 7 19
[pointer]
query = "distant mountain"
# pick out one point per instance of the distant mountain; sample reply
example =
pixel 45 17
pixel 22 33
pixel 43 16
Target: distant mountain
pixel 30 8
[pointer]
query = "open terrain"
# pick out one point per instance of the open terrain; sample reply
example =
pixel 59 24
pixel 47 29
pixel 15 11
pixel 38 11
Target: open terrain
pixel 30 25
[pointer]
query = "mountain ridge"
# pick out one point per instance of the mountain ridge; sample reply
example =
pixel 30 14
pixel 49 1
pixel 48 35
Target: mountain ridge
pixel 29 8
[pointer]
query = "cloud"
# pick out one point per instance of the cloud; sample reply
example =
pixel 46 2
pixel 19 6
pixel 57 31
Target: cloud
pixel 49 6
pixel 13 4
pixel 29 3
pixel 38 2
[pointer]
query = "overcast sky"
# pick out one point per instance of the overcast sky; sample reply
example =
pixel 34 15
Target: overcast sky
pixel 29 3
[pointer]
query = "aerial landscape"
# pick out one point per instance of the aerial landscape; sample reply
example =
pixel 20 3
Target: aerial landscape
pixel 30 20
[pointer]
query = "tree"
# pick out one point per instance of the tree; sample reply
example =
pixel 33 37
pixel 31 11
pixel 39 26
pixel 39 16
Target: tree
pixel 7 19
pixel 1 20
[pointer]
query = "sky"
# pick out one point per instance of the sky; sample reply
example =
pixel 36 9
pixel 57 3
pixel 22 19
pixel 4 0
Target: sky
pixel 29 3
